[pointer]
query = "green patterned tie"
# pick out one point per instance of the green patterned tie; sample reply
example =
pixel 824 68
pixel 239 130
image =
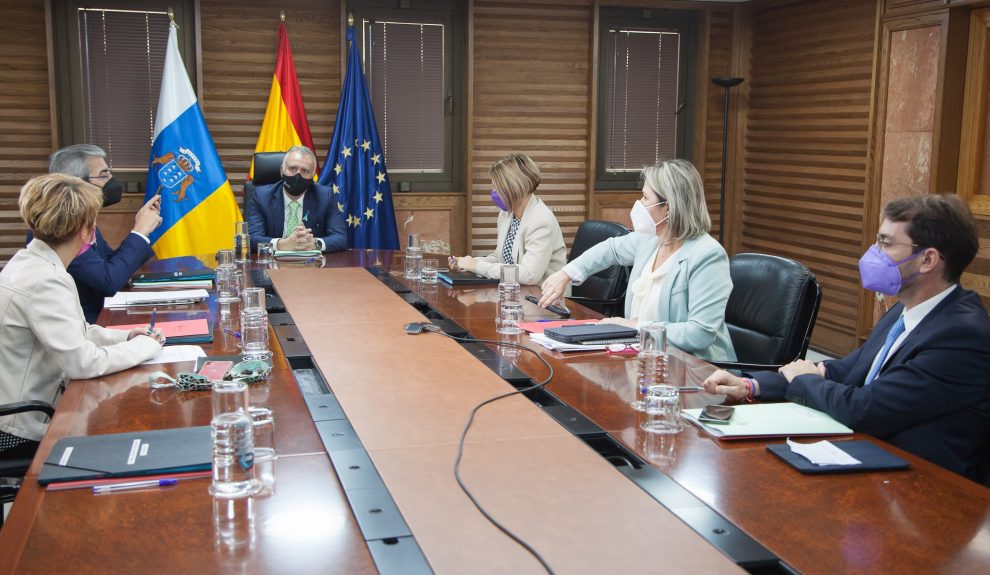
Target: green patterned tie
pixel 293 218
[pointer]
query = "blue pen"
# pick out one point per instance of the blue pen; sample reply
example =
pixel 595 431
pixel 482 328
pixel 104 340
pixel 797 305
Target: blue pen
pixel 151 326
pixel 236 334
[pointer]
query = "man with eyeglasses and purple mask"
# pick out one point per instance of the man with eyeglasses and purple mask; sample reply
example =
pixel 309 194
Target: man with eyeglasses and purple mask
pixel 101 271
pixel 922 380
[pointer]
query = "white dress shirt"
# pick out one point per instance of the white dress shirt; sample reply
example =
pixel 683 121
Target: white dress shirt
pixel 912 317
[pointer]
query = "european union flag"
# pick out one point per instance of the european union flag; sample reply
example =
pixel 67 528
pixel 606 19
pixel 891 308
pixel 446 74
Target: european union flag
pixel 355 168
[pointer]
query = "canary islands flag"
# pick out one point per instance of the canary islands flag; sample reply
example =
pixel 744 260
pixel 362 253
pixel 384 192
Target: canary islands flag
pixel 355 168
pixel 285 123
pixel 198 206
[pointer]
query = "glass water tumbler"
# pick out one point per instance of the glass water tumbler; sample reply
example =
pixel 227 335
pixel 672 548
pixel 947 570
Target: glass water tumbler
pixel 233 442
pixel 254 333
pixel 242 243
pixel 509 302
pixel 652 362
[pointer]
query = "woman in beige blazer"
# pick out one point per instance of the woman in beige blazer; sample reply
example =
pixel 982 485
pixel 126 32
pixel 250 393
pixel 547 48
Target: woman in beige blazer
pixel 528 233
pixel 44 338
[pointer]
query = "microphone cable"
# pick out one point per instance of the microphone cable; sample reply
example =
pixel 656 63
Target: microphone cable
pixel 460 442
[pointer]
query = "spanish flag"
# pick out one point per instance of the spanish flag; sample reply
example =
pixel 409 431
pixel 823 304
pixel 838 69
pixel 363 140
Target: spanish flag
pixel 285 122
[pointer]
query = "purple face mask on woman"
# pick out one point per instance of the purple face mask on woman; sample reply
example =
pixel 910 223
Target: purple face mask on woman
pixel 497 200
pixel 879 273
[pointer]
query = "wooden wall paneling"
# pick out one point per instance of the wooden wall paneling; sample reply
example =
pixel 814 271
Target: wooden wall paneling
pixel 591 204
pixel 240 40
pixel 435 217
pixel 902 7
pixel 972 183
pixel 807 131
pixel 25 113
pixel 530 95
pixel 468 224
pixel 949 100
pixel 723 43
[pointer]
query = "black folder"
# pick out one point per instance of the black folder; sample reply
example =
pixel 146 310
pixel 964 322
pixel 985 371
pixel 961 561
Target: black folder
pixel 592 333
pixel 129 454
pixel 465 279
pixel 872 457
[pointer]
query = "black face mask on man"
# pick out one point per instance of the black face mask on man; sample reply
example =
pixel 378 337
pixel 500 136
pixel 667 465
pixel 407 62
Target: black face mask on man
pixel 296 185
pixel 112 192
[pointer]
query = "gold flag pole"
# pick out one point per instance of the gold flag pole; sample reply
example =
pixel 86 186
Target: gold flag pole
pixel 281 15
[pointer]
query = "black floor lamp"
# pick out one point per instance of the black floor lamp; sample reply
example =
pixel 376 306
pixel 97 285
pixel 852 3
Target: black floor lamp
pixel 725 82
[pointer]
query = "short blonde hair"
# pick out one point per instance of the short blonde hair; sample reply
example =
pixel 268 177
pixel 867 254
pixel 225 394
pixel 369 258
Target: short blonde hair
pixel 57 206
pixel 678 183
pixel 514 177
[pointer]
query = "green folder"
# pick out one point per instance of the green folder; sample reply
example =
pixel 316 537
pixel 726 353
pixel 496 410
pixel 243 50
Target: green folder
pixel 771 420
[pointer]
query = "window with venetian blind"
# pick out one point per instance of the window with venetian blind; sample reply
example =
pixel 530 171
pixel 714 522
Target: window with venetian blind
pixel 411 62
pixel 644 108
pixel 109 56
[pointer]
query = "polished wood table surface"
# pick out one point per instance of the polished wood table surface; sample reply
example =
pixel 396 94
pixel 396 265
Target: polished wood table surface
pixel 304 527
pixel 925 520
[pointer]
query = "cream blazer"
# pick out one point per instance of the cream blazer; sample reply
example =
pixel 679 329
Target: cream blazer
pixel 45 340
pixel 539 248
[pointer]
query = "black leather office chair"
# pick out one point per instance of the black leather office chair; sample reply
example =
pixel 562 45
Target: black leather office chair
pixel 12 469
pixel 771 311
pixel 605 291
pixel 267 170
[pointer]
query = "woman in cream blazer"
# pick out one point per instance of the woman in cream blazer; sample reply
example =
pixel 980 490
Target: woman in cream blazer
pixel 45 337
pixel 680 275
pixel 538 244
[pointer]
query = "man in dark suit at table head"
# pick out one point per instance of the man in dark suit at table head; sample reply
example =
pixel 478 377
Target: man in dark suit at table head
pixel 922 379
pixel 296 213
pixel 102 271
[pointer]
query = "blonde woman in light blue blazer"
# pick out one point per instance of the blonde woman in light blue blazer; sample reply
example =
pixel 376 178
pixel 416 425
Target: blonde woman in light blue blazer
pixel 680 275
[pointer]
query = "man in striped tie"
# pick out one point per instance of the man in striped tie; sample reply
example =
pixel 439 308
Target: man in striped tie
pixel 922 379
pixel 295 213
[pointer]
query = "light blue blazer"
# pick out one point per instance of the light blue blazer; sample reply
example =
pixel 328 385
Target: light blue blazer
pixel 692 296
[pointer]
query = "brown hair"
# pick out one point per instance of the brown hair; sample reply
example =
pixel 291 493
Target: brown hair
pixel 57 206
pixel 514 176
pixel 943 222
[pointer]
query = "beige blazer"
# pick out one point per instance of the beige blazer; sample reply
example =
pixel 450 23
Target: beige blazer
pixel 539 248
pixel 45 340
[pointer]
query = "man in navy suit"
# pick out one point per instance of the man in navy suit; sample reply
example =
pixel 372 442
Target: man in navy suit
pixel 101 271
pixel 295 213
pixel 922 379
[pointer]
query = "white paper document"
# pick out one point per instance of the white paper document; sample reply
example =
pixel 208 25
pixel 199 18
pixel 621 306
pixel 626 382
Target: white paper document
pixel 129 298
pixel 175 353
pixel 822 453
pixel 555 345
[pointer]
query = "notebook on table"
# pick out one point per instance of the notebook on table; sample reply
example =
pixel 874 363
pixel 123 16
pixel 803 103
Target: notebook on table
pixel 784 419
pixel 461 278
pixel 593 333
pixel 129 454
pixel 871 457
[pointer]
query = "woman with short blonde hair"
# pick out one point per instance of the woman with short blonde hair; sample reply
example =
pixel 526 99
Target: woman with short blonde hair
pixel 46 340
pixel 680 275
pixel 528 233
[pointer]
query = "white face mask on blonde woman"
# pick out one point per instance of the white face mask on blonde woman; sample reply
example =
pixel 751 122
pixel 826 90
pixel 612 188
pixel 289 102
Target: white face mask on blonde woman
pixel 642 221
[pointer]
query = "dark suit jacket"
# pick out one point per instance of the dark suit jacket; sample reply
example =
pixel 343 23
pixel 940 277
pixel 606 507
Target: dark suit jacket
pixel 103 271
pixel 266 216
pixel 932 396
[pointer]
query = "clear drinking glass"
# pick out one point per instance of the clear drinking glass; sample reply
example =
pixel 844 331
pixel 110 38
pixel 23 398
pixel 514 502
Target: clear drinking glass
pixel 510 315
pixel 242 242
pixel 254 333
pixel 233 442
pixel 430 270
pixel 265 253
pixel 652 361
pixel 225 258
pixel 253 297
pixel 228 284
pixel 509 302
pixel 663 409
pixel 264 448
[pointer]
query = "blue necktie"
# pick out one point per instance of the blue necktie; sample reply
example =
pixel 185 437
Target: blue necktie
pixel 894 333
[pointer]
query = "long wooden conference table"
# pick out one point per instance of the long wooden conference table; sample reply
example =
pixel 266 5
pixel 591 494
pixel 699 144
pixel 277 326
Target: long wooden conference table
pixel 367 421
